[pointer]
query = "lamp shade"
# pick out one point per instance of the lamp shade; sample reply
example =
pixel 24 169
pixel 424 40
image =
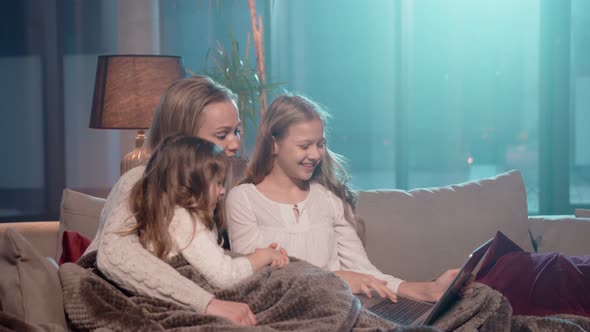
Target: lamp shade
pixel 128 88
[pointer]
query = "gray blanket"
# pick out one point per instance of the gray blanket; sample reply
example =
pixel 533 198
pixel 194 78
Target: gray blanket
pixel 297 297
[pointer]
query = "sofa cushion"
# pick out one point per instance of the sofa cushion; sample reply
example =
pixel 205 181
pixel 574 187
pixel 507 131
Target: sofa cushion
pixel 80 213
pixel 29 288
pixel 420 233
pixel 565 234
pixel 582 213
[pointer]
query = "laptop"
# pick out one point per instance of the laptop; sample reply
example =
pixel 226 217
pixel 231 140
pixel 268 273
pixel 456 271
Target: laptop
pixel 407 311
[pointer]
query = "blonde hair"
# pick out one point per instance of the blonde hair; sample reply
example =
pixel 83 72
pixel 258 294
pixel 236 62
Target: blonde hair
pixel 179 173
pixel 284 112
pixel 181 106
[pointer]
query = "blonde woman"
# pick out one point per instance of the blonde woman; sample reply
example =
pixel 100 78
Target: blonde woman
pixel 195 106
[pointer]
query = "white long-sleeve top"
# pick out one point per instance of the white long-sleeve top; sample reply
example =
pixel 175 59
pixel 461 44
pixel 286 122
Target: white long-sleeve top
pixel 123 259
pixel 321 235
pixel 198 245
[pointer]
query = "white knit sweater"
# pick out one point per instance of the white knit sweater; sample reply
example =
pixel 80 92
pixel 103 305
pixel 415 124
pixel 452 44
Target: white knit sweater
pixel 123 259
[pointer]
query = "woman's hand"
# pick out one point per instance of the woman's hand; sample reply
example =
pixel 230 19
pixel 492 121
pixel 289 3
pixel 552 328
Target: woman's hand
pixel 364 283
pixel 237 312
pixel 262 257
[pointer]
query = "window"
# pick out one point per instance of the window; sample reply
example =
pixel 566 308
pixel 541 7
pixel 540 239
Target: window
pixel 579 169
pixel 430 93
pixel 422 93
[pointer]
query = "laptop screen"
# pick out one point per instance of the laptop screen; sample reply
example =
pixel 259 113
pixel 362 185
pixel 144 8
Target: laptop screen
pixel 464 276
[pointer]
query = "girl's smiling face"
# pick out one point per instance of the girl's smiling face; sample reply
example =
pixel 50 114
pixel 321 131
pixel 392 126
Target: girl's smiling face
pixel 300 150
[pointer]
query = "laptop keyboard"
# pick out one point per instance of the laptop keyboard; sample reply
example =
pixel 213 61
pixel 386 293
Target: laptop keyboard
pixel 404 312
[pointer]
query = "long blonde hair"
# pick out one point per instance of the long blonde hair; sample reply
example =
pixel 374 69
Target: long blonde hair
pixel 181 106
pixel 179 173
pixel 284 112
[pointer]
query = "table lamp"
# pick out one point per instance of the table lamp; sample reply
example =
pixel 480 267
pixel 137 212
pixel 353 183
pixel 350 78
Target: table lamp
pixel 127 91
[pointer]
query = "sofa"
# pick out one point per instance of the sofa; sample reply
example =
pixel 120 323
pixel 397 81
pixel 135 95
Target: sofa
pixel 414 235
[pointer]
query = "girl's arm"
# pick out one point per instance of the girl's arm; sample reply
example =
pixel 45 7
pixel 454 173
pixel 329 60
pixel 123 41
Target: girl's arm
pixel 360 274
pixel 262 257
pixel 198 245
pixel 428 290
pixel 243 229
pixel 366 276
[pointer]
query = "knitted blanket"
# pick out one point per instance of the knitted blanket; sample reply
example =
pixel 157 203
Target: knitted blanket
pixel 296 297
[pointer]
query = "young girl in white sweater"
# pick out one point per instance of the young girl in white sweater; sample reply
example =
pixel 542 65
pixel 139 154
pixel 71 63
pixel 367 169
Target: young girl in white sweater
pixel 295 193
pixel 178 208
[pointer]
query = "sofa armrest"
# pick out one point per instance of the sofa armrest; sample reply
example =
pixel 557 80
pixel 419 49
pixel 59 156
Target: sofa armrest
pixel 41 234
pixel 565 234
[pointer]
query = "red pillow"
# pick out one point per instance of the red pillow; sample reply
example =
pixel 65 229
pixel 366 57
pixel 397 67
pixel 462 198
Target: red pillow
pixel 73 244
pixel 539 284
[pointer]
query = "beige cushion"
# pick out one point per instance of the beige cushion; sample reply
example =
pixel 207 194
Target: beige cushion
pixel 564 234
pixel 29 288
pixel 79 212
pixel 418 234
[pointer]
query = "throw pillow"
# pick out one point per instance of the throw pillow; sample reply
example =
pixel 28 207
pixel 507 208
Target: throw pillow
pixel 30 288
pixel 79 212
pixel 412 233
pixel 73 246
pixel 538 284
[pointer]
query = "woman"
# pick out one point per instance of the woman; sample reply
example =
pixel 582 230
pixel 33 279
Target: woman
pixel 295 193
pixel 195 106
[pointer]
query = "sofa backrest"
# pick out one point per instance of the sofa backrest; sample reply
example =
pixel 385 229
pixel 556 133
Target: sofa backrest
pixel 418 234
pixel 41 234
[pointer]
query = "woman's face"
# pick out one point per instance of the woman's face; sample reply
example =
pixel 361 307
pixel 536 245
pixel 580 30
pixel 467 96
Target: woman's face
pixel 300 150
pixel 220 124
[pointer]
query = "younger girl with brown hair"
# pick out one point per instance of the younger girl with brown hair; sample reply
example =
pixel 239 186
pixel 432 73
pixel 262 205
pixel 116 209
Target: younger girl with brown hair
pixel 178 208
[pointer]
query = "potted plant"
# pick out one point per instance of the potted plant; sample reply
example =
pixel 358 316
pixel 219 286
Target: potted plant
pixel 228 67
pixel 248 81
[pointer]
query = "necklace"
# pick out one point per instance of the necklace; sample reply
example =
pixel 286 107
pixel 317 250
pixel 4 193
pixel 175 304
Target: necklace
pixel 296 212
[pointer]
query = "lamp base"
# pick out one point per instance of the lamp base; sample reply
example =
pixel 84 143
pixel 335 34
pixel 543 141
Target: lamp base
pixel 137 156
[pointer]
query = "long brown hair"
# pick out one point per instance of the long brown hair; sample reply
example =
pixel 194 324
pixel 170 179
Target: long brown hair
pixel 284 112
pixel 179 173
pixel 181 106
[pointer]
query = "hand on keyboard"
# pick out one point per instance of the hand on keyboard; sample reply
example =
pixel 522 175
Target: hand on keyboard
pixel 364 283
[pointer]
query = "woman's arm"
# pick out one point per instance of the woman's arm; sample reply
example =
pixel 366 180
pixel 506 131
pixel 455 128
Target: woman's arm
pixel 243 229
